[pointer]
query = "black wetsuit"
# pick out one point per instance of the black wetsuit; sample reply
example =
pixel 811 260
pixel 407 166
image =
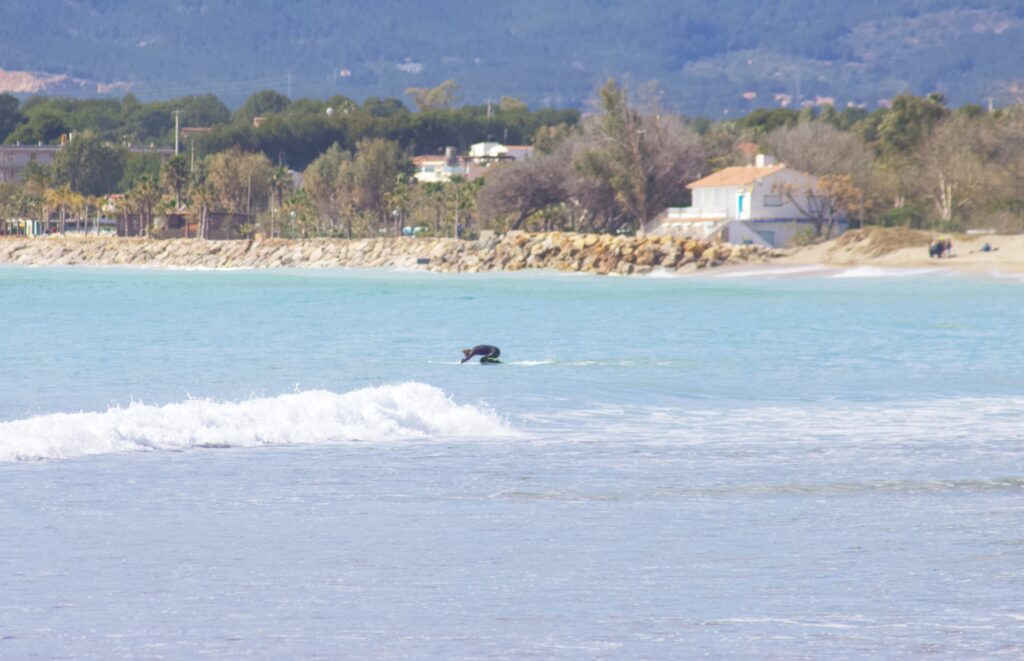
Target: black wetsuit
pixel 487 353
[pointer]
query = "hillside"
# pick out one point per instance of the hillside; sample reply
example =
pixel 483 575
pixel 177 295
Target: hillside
pixel 709 58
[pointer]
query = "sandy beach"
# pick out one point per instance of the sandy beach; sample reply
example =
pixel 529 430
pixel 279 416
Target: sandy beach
pixel 902 248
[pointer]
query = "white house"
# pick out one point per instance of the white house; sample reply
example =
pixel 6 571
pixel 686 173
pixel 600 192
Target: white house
pixel 435 169
pixel 487 152
pixel 759 204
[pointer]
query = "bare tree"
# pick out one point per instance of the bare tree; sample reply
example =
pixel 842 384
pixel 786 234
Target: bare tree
pixel 1008 153
pixel 523 188
pixel 838 166
pixel 821 150
pixel 824 200
pixel 952 171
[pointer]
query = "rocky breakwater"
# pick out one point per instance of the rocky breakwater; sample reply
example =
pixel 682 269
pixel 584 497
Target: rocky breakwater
pixel 590 253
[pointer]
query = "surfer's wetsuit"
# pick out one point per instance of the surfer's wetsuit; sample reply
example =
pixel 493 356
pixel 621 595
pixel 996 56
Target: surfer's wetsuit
pixel 487 353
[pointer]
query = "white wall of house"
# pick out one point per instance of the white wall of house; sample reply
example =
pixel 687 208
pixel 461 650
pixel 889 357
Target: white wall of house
pixel 715 199
pixel 767 198
pixel 487 150
pixel 738 232
pixel 774 233
pixel 494 150
pixel 762 199
pixel 432 172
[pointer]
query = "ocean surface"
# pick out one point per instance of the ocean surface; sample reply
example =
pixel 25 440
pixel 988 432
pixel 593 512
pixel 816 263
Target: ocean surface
pixel 787 463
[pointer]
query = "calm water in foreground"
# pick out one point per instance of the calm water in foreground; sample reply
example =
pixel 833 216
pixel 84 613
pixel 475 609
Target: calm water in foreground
pixel 294 464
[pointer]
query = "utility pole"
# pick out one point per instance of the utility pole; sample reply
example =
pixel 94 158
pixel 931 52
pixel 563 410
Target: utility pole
pixel 177 129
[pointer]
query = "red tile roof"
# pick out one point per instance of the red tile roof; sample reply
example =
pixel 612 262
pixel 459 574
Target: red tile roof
pixel 736 176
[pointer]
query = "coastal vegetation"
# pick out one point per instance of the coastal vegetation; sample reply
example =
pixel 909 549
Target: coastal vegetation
pixel 337 168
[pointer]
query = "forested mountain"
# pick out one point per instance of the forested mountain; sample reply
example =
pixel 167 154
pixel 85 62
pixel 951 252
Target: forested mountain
pixel 709 58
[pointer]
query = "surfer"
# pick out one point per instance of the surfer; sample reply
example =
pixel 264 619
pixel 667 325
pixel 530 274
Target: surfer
pixel 487 353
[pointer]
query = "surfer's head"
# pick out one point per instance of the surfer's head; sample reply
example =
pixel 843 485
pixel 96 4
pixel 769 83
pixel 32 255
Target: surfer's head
pixel 467 352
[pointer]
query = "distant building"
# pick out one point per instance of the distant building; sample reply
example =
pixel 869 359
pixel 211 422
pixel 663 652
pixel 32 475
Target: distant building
pixel 759 204
pixel 14 159
pixel 438 169
pixel 482 155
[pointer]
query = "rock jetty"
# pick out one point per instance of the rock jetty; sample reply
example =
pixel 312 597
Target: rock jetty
pixel 589 253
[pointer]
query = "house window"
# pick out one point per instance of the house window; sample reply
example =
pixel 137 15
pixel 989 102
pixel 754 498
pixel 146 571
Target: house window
pixel 774 200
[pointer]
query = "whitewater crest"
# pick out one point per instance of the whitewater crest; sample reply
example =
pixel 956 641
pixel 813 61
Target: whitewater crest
pixel 403 411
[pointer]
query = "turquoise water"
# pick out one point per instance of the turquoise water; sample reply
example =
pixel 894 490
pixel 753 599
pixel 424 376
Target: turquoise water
pixel 295 464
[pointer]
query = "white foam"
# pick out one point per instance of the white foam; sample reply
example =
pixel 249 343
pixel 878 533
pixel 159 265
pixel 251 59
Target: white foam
pixel 385 413
pixel 888 272
pixel 660 272
pixel 770 271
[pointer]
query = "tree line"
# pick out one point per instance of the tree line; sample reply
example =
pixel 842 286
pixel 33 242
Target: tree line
pixel 917 163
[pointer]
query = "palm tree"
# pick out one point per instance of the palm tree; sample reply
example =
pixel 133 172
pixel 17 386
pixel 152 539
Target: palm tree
pixel 203 195
pixel 144 194
pixel 398 200
pixel 96 202
pixel 78 204
pixel 299 208
pixel 280 181
pixel 174 175
pixel 60 200
pixel 51 203
pixel 436 194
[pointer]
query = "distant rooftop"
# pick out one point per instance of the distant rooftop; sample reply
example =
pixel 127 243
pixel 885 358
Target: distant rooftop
pixel 736 176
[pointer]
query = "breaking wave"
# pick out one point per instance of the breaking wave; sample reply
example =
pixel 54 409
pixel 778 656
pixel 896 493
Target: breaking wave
pixel 386 413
